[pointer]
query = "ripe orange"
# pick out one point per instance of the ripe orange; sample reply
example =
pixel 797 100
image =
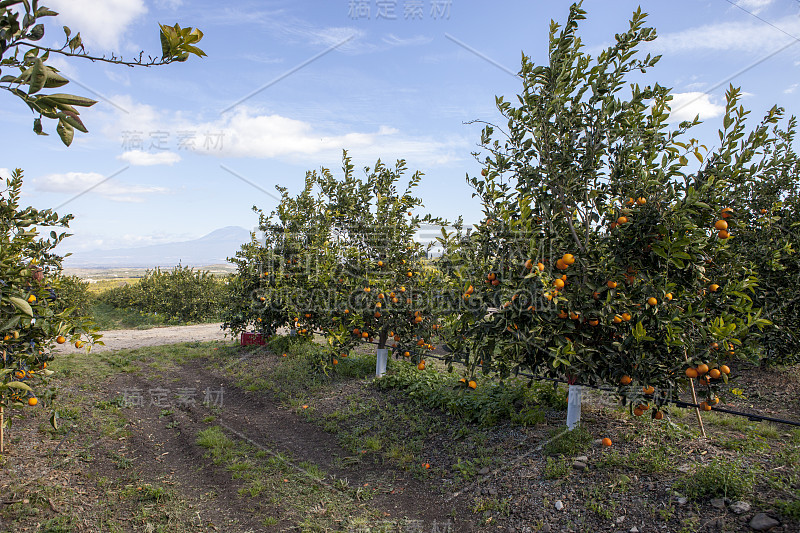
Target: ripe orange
pixel 378 314
pixel 574 316
pixel 652 301
pixel 691 373
pixel 559 283
pixel 495 282
pixel 356 331
pixel 668 296
pixel 540 266
pixel 658 415
pixel 622 220
pixel 763 211
pixel 409 274
pixel 648 389
pixel 629 201
pixel 561 265
pixel 367 289
pixel 364 335
pixel 641 200
pixel 617 319
pixel 611 284
pixel 638 411
pixel 562 314
pixel 724 369
pixel 714 373
pixel 723 234
pixel 421 365
pixel 31 299
pixel 625 380
pixel 726 212
pixel 61 339
pixel 568 258
pixel 702 369
pixel 79 344
pixel 626 317
pixel 606 441
pixel 472 384
pixel 529 264
pixel 720 225
pixel 32 401
pixel 406 354
pixel 335 361
pixel 491 276
pixel 704 406
pixel 594 322
pixel 714 287
pixel 380 263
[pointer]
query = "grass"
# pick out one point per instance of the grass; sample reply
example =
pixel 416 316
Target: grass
pixel 107 317
pixel 569 443
pixel 720 478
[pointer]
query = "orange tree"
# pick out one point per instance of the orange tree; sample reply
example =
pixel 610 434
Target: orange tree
pixel 764 206
pixel 32 319
pixel 600 258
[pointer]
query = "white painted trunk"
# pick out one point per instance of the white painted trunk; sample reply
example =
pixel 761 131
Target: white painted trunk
pixel 382 356
pixel 574 406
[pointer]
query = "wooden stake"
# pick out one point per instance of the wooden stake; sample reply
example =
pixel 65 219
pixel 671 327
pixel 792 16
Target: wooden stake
pixel 694 399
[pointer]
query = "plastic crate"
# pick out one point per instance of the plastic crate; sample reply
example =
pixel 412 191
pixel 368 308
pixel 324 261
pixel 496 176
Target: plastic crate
pixel 251 338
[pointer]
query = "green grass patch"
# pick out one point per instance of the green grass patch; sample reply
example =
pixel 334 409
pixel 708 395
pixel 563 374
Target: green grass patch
pixel 720 478
pixel 569 443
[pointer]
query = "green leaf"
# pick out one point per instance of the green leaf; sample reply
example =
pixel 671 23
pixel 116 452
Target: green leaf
pixel 71 99
pixel 18 385
pixel 65 131
pixel 38 77
pixel 21 304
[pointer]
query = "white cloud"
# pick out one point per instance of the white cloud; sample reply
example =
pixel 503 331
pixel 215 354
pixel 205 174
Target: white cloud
pixel 750 37
pixel 101 23
pixel 5 173
pixel 754 6
pixel 139 158
pixel 686 106
pixel 249 132
pixel 78 182
pixel 172 4
pixel 417 40
pixel 791 89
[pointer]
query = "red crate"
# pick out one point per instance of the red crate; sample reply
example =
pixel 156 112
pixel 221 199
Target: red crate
pixel 252 338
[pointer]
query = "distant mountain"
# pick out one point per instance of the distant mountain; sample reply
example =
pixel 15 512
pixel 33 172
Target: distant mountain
pixel 212 249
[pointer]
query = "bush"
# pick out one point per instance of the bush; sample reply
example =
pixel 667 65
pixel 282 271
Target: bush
pixel 73 295
pixel 182 293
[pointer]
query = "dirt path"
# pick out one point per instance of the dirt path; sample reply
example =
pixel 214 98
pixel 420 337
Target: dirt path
pixel 120 339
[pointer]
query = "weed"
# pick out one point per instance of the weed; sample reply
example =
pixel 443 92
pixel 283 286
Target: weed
pixel 557 468
pixel 570 443
pixel 719 478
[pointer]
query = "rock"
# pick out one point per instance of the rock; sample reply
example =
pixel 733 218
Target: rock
pixel 634 529
pixel 559 505
pixel 717 503
pixel 682 500
pixel 483 471
pixel 684 468
pixel 762 522
pixel 582 459
pixel 579 465
pixel 620 519
pixel 739 507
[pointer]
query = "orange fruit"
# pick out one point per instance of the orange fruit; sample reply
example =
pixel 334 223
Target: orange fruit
pixel 714 373
pixel 720 225
pixel 626 317
pixel 641 200
pixel 724 234
pixel 31 299
pixel 691 373
pixel 606 441
pixel 356 331
pixel 377 314
pixel 611 284
pixel 704 406
pixel 568 258
pixel 652 301
pixel 629 201
pixel 421 365
pixel 559 283
pixel 470 289
pixel 491 276
pixel 61 339
pixel 658 415
pixel 562 314
pixel 668 296
pixel 574 316
pixel 648 389
pixel 625 380
pixel 763 211
pixel 406 354
pixel 409 274
pixel 540 266
pixel 367 289
pixel 638 411
pixel 335 361
pixel 472 384
pixel 529 264
pixel 32 401
pixel 702 369
pixel 594 322
pixel 622 220
pixel 364 335
pixel 79 344
pixel 617 319
pixel 724 369
pixel 561 265
pixel 714 287
pixel 380 263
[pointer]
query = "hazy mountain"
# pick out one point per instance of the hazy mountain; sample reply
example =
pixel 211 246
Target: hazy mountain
pixel 211 249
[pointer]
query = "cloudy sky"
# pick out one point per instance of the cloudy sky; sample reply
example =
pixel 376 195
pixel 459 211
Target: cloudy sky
pixel 287 85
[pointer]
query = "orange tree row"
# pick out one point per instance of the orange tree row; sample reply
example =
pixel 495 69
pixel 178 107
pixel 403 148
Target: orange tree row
pixel 341 258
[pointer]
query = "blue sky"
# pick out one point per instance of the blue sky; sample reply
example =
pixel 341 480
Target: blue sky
pixel 193 146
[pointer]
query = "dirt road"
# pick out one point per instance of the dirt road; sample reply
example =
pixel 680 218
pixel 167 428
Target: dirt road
pixel 137 338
